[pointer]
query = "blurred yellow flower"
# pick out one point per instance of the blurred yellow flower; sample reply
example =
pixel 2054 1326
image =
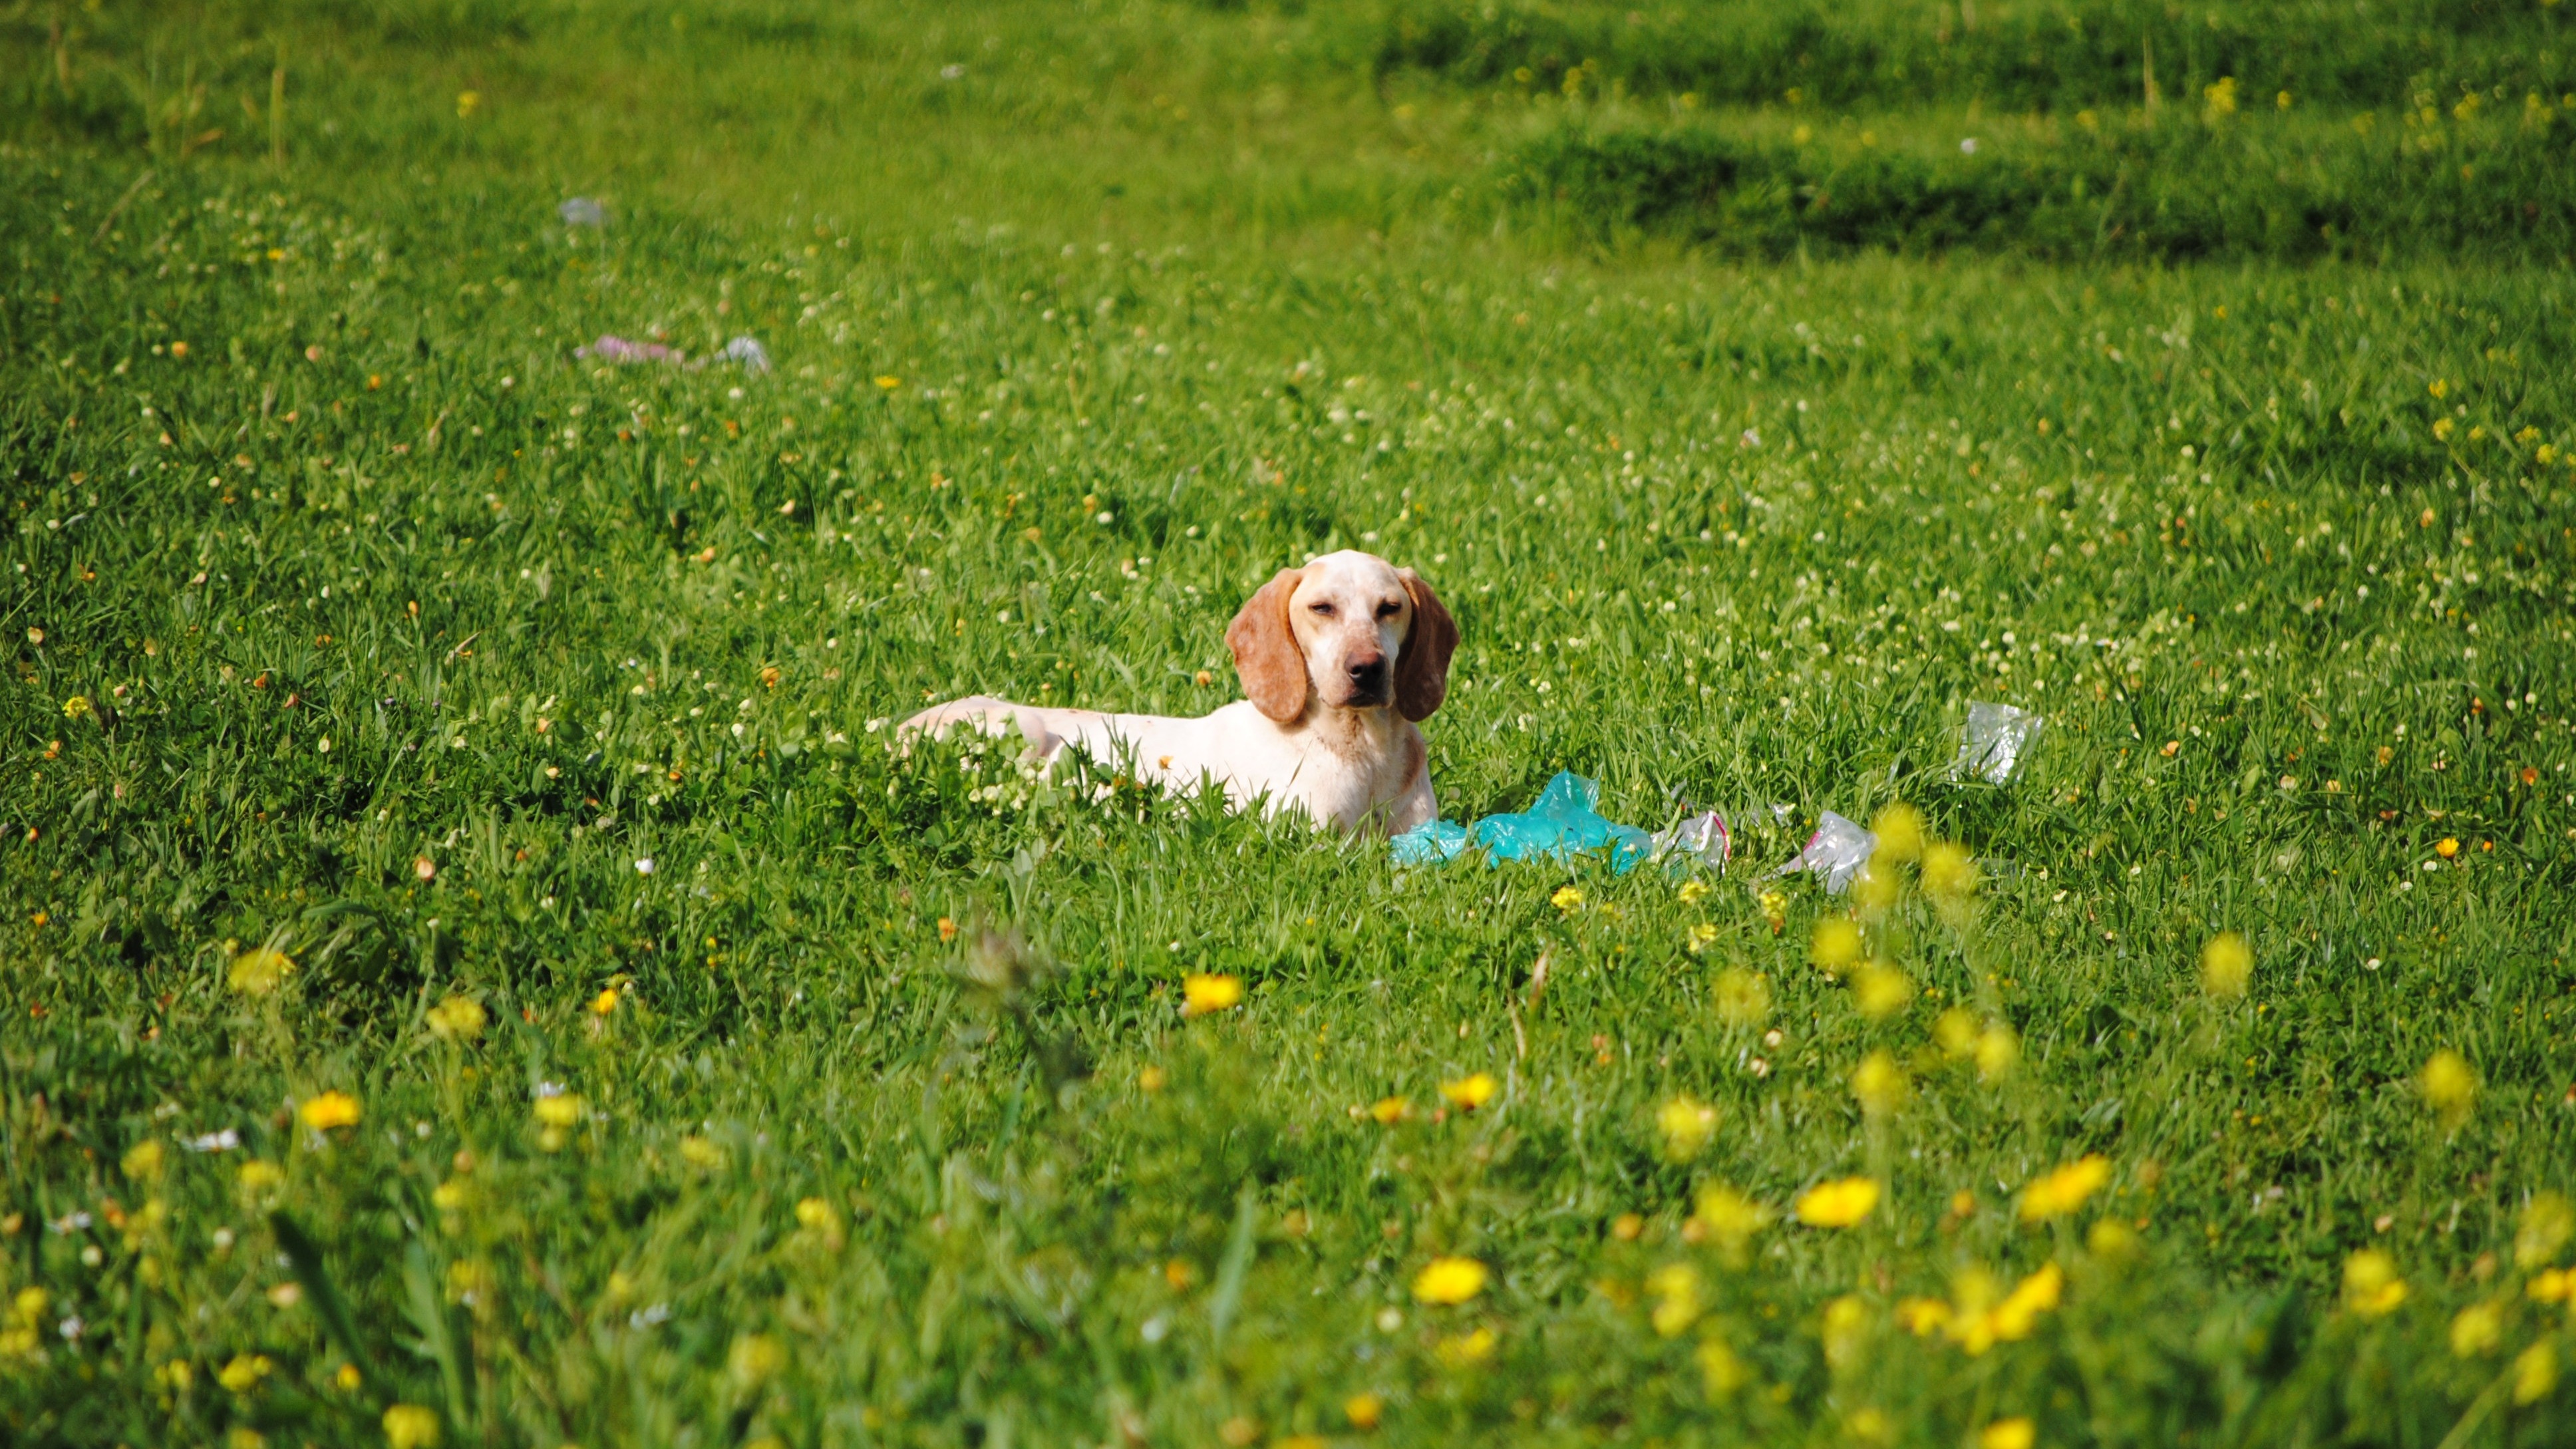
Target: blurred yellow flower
pixel 1687 1125
pixel 1835 945
pixel 329 1110
pixel 2055 1194
pixel 889 382
pixel 1743 998
pixel 258 1176
pixel 1203 993
pixel 2039 1293
pixel 1567 898
pixel 1955 1031
pixel 1469 1092
pixel 1152 1079
pixel 2448 848
pixel 1675 1287
pixel 1949 873
pixel 1775 910
pixel 2112 1240
pixel 467 103
pixel 2226 965
pixel 701 1153
pixel 454 1195
pixel 2552 1285
pixel 2442 430
pixel 1729 1217
pixel 2450 1086
pixel 1846 1329
pixel 2013 1433
pixel 1461 1350
pixel 458 1018
pixel 1387 1111
pixel 1998 1052
pixel 1701 937
pixel 1877 886
pixel 244 1372
pixel 754 1359
pixel 1449 1280
pixel 1837 1204
pixel 2476 1330
pixel 1720 1368
pixel 410 1426
pixel 76 707
pixel 257 973
pixel 1899 829
pixel 1923 1317
pixel 1868 1423
pixel 563 1109
pixel 2371 1286
pixel 605 1002
pixel 144 1160
pixel 1695 891
pixel 1364 1411
pixel 1880 990
pixel 2222 102
pixel 2535 1372
pixel 2547 1222
pixel 1880 1084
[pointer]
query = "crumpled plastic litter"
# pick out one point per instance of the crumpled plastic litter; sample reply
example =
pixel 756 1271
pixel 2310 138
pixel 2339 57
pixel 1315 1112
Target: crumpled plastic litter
pixel 1559 826
pixel 1996 742
pixel 1703 840
pixel 1835 853
pixel 625 350
pixel 582 211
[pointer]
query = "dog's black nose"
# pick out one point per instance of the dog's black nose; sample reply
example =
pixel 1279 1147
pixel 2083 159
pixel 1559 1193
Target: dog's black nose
pixel 1368 676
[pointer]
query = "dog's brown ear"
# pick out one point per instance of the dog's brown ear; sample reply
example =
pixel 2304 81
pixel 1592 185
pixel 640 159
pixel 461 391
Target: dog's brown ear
pixel 1422 665
pixel 1265 650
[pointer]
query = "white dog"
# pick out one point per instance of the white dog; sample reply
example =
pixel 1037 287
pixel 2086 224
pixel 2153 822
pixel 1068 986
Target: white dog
pixel 1338 660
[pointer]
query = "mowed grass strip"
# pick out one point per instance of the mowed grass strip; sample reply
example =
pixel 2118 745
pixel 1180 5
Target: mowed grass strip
pixel 813 1090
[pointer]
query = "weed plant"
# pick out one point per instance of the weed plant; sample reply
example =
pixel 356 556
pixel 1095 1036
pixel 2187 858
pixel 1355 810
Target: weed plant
pixel 479 969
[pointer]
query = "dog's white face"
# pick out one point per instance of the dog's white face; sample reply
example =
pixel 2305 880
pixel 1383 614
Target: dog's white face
pixel 1349 614
pixel 1348 631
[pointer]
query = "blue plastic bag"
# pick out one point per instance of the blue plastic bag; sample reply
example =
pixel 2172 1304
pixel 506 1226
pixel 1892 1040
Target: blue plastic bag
pixel 1560 826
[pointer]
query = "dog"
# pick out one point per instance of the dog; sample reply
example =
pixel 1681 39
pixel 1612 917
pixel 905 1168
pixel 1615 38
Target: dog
pixel 1339 660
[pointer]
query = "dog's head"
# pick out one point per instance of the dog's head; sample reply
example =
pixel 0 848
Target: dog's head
pixel 1348 631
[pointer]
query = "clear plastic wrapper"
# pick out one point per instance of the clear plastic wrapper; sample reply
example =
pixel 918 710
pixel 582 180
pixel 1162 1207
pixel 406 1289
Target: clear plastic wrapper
pixel 1996 742
pixel 1702 840
pixel 582 211
pixel 1835 853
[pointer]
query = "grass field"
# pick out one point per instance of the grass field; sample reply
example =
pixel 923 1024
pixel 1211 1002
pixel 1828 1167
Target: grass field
pixel 476 973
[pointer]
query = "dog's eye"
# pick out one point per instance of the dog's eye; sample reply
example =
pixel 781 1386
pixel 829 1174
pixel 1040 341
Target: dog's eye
pixel 1326 610
pixel 1389 609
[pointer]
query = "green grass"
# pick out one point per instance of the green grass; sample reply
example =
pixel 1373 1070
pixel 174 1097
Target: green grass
pixel 1072 350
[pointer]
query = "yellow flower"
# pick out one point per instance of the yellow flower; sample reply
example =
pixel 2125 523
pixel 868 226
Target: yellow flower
pixel 1868 1424
pixel 1923 1317
pixel 1364 1411
pixel 458 1017
pixel 2450 1085
pixel 2013 1433
pixel 2055 1194
pixel 76 707
pixel 2442 430
pixel 410 1426
pixel 1949 873
pixel 1899 829
pixel 2535 1372
pixel 244 1372
pixel 889 382
pixel 329 1110
pixel 2552 1285
pixel 467 102
pixel 2371 1286
pixel 454 1195
pixel 1880 990
pixel 1687 1125
pixel 1676 1290
pixel 1152 1079
pixel 1837 1204
pixel 1719 1366
pixel 2226 965
pixel 1956 1031
pixel 1449 1280
pixel 2222 102
pixel 1729 1217
pixel 1203 993
pixel 1470 1092
pixel 1567 898
pixel 701 1153
pixel 1389 1110
pixel 1701 937
pixel 605 1002
pixel 1876 887
pixel 1835 945
pixel 1846 1329
pixel 1880 1084
pixel 2112 1240
pixel 2032 1296
pixel 1465 1349
pixel 2448 848
pixel 1775 909
pixel 1743 997
pixel 243 1436
pixel 2476 1330
pixel 28 1306
pixel 258 1177
pixel 1998 1052
pixel 144 1160
pixel 257 973
pixel 1695 891
pixel 2547 1222
pixel 755 1359
pixel 563 1109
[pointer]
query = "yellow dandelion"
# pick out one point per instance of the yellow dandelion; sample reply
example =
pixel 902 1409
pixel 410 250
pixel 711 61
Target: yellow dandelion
pixel 1846 1329
pixel 1729 1217
pixel 2551 1285
pixel 1449 1280
pixel 702 1153
pixel 1720 1368
pixel 755 1359
pixel 1877 886
pixel 458 1018
pixel 1835 945
pixel 1998 1052
pixel 2448 848
pixel 1203 993
pixel 1880 1084
pixel 1462 1350
pixel 1923 1317
pixel 563 1109
pixel 1675 1288
pixel 1152 1079
pixel 1469 1092
pixel 1687 1125
pixel 2371 1285
pixel 2039 1293
pixel 605 1002
pixel 889 382
pixel 244 1372
pixel 1694 891
pixel 2547 1222
pixel 144 1160
pixel 1365 1411
pixel 1701 937
pixel 1881 990
pixel 2535 1372
pixel 2476 1330
pixel 1837 1204
pixel 1566 898
pixel 329 1110
pixel 1742 998
pixel 1949 873
pixel 1955 1032
pixel 2013 1433
pixel 2055 1194
pixel 257 973
pixel 2450 1085
pixel 2226 966
pixel 1899 829
pixel 411 1426
pixel 76 707
pixel 1387 1111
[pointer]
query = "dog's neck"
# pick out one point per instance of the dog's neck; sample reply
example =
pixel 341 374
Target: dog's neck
pixel 1354 734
